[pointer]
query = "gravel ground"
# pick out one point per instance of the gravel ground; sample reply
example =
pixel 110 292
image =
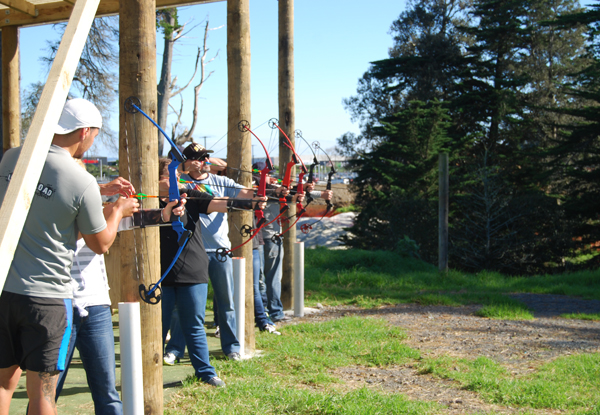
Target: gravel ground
pixel 324 232
pixel 520 346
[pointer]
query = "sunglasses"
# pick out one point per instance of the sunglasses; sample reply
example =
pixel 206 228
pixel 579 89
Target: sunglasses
pixel 200 158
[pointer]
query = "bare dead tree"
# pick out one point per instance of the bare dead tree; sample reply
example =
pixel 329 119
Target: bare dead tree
pixel 167 86
pixel 172 31
pixel 201 62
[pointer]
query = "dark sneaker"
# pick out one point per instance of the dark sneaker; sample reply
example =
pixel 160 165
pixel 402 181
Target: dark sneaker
pixel 234 356
pixel 216 382
pixel 284 319
pixel 271 329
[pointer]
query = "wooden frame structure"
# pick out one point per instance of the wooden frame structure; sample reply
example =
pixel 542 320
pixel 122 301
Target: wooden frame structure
pixel 137 77
pixel 35 12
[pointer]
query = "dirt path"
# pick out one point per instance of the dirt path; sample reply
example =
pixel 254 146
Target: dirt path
pixel 520 346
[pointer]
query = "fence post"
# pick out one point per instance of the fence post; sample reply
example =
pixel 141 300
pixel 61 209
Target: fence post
pixel 239 297
pixel 443 212
pixel 299 279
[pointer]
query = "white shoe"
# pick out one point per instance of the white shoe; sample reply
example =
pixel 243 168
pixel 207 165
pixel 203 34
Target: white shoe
pixel 170 359
pixel 271 329
pixel 234 356
pixel 216 382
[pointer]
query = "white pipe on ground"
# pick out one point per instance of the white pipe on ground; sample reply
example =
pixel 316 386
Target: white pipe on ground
pixel 239 299
pixel 132 379
pixel 299 279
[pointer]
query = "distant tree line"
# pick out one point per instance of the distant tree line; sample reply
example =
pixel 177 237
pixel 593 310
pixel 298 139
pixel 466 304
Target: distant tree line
pixel 510 89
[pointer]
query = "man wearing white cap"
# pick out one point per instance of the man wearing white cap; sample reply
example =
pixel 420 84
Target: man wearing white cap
pixel 35 304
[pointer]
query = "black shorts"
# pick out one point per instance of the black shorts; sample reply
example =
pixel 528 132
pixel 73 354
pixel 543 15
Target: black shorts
pixel 34 332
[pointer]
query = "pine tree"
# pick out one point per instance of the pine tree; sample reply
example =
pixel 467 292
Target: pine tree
pixel 422 65
pixel 574 157
pixel 400 174
pixel 493 67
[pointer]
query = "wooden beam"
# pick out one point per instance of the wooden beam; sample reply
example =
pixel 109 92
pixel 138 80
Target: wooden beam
pixel 29 167
pixel 11 100
pixel 239 150
pixel 59 11
pixel 138 162
pixel 161 4
pixel 287 123
pixel 46 13
pixel 21 6
pixel 112 259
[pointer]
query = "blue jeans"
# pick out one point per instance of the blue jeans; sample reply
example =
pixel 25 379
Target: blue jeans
pixel 191 305
pixel 176 344
pixel 260 318
pixel 261 281
pixel 221 278
pixel 93 335
pixel 273 270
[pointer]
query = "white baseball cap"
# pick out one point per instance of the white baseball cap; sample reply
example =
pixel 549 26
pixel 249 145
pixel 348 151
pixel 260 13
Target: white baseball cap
pixel 78 113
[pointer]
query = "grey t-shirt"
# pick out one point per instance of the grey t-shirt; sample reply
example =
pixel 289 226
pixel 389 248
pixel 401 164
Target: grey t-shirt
pixel 215 228
pixel 271 212
pixel 67 200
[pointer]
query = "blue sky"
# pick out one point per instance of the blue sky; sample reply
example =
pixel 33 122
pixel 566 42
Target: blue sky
pixel 334 42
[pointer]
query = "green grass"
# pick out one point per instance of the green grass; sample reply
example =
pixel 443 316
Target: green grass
pixel 567 383
pixel 349 208
pixel 297 373
pixel 294 375
pixel 371 279
pixel 582 316
pixel 505 308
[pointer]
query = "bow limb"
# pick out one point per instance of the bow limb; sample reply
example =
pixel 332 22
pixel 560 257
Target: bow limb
pixel 329 175
pixel 274 123
pixel 315 162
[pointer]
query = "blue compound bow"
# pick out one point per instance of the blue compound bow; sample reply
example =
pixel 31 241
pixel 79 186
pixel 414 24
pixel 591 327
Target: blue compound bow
pixel 152 294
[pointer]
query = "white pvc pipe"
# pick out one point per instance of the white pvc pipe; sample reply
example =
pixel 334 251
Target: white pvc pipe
pixel 299 279
pixel 132 383
pixel 239 299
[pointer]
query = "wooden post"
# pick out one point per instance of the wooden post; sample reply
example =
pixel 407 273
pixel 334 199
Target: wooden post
pixel 239 150
pixel 138 162
pixel 112 260
pixel 444 190
pixel 287 124
pixel 11 101
pixel 23 183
